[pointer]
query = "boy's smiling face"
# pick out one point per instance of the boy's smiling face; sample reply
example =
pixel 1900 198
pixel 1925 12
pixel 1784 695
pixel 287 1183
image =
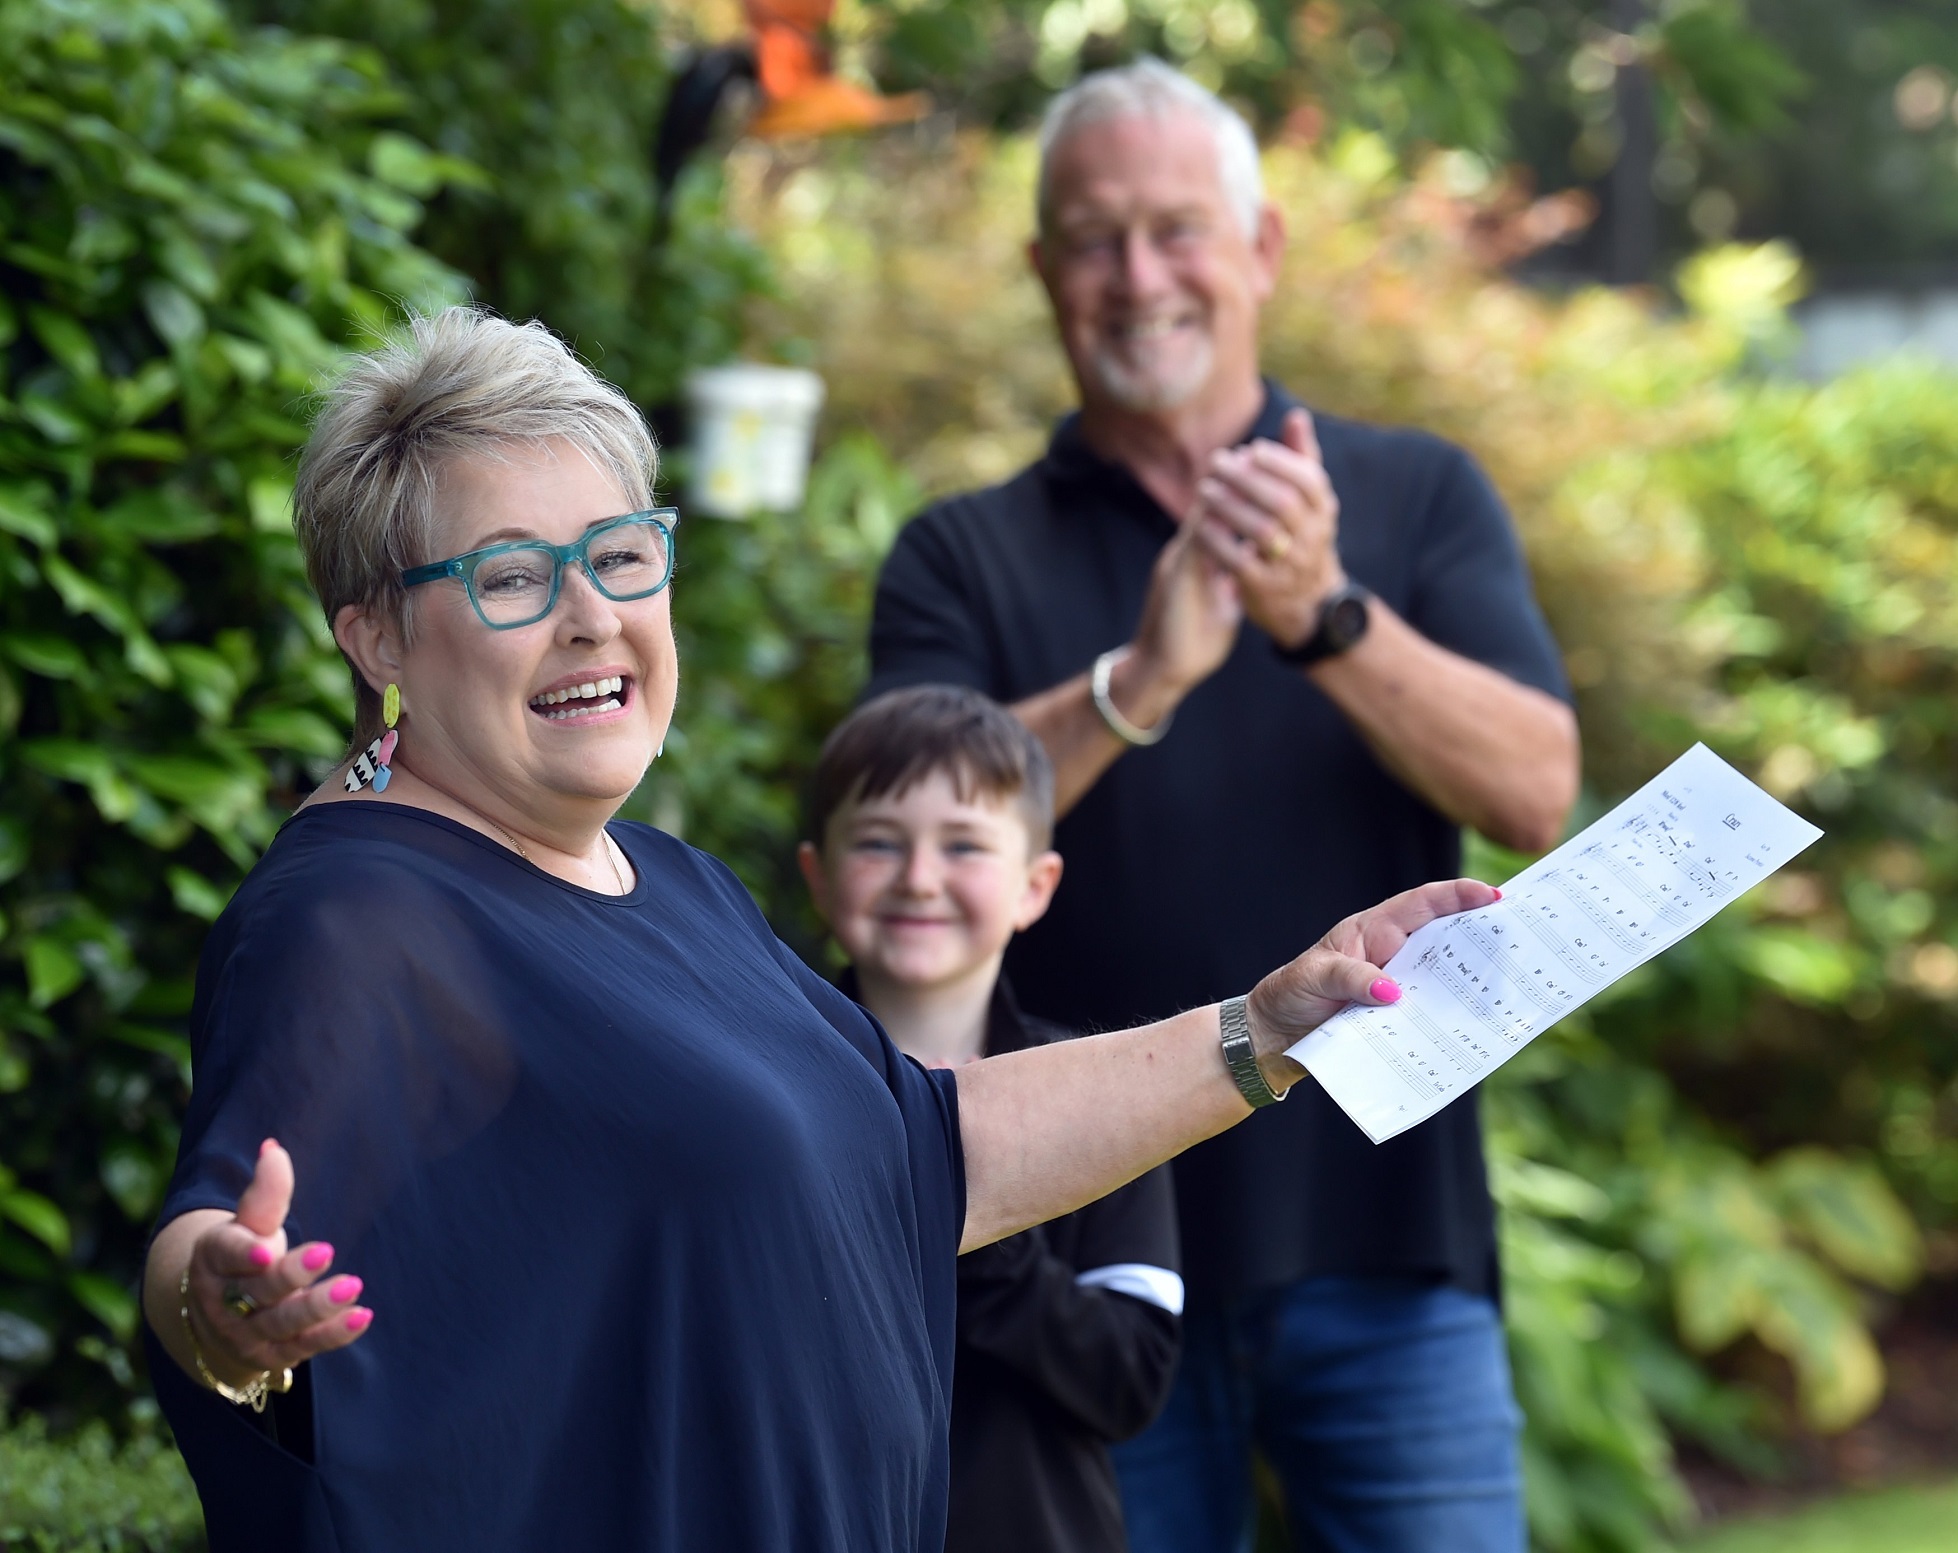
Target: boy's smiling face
pixel 922 888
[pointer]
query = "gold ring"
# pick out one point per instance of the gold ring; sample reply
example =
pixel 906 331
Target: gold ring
pixel 1276 547
pixel 238 1302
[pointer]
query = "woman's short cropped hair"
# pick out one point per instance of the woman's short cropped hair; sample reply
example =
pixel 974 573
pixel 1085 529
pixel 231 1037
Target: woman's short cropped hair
pixel 903 737
pixel 1150 89
pixel 460 383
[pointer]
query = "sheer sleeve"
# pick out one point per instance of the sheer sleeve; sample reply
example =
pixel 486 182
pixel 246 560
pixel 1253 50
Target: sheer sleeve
pixel 347 1015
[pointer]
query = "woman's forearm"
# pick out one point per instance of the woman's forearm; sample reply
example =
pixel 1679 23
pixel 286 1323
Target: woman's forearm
pixel 163 1275
pixel 1051 1129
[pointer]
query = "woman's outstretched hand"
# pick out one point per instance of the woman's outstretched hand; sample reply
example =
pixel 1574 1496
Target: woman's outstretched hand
pixel 1344 967
pixel 257 1304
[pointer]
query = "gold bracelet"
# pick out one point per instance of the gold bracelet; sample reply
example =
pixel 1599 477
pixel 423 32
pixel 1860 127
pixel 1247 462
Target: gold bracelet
pixel 253 1395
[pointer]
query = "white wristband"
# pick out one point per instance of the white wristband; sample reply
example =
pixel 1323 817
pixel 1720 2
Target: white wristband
pixel 1119 725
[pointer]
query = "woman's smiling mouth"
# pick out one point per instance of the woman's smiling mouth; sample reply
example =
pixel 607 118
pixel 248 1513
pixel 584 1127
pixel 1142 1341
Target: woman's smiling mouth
pixel 584 699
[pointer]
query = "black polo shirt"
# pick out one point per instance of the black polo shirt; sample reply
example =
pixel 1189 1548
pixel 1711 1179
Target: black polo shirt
pixel 1196 866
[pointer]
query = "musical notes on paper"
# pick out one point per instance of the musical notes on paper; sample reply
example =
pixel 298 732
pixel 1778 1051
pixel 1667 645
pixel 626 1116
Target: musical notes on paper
pixel 1478 987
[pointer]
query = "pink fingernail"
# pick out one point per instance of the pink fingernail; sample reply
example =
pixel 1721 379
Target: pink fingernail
pixel 262 1256
pixel 1385 991
pixel 344 1290
pixel 357 1320
pixel 1498 893
pixel 316 1257
pixel 269 1143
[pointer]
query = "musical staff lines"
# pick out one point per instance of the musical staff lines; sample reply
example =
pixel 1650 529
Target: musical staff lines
pixel 1480 986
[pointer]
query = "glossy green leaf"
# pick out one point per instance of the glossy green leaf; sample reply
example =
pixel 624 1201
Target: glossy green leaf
pixel 161 517
pixel 142 396
pixel 67 340
pixel 110 1303
pixel 15 1068
pixel 23 1342
pixel 1851 1215
pixel 39 1217
pixel 159 446
pixel 197 895
pixel 20 514
pixel 174 313
pixel 43 653
pixel 1801 965
pixel 53 971
pixel 405 163
pixel 55 420
pixel 83 595
pixel 134 1178
pixel 13 848
pixel 294 729
pixel 270 499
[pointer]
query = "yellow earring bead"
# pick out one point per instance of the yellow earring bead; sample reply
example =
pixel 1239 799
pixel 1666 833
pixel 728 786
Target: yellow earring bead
pixel 391 705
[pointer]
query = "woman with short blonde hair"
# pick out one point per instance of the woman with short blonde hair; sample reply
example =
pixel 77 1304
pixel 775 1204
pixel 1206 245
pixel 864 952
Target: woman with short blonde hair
pixel 595 1220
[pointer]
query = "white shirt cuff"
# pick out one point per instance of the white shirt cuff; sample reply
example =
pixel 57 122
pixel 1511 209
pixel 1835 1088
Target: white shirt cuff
pixel 1156 1286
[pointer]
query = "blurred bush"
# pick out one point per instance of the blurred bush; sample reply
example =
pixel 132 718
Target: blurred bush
pixel 558 100
pixel 193 221
pixel 88 1494
pixel 196 218
pixel 1720 1152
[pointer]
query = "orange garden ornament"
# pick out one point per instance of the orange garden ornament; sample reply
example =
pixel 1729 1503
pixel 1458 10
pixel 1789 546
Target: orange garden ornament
pixel 799 94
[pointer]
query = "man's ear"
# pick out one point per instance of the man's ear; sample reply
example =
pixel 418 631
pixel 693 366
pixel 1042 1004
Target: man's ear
pixel 1043 878
pixel 810 861
pixel 371 642
pixel 1037 262
pixel 1268 243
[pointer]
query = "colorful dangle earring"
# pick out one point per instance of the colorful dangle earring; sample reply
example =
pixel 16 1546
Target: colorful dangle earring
pixel 374 764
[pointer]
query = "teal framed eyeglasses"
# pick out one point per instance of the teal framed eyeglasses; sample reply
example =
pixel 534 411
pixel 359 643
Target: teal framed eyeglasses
pixel 517 584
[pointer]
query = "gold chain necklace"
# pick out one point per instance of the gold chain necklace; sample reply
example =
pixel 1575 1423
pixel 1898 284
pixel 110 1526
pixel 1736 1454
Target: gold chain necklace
pixel 611 854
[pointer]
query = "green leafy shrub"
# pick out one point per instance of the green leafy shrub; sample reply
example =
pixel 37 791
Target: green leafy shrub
pixel 193 222
pixel 558 101
pixel 87 1494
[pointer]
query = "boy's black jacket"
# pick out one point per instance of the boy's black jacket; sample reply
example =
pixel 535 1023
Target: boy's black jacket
pixel 1048 1371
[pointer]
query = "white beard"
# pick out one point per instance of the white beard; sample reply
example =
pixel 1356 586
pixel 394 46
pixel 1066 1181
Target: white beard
pixel 1152 383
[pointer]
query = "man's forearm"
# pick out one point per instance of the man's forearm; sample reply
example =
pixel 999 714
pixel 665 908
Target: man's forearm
pixel 1077 741
pixel 1487 752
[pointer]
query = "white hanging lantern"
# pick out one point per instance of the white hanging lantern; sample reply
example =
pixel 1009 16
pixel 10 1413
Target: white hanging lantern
pixel 753 428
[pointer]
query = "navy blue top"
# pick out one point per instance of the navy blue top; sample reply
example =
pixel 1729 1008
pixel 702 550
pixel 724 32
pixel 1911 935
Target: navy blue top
pixel 1262 818
pixel 659 1228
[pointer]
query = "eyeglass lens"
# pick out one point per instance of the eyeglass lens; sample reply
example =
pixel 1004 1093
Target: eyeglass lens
pixel 515 586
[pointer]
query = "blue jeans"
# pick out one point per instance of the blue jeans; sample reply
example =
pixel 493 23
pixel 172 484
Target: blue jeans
pixel 1383 1405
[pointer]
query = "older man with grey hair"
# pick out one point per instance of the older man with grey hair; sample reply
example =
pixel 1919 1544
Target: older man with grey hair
pixel 1279 660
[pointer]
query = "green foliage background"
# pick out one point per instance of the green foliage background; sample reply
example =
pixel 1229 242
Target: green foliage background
pixel 193 222
pixel 1741 1151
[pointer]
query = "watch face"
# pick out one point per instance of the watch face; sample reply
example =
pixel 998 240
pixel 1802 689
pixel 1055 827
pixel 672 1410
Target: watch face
pixel 1345 622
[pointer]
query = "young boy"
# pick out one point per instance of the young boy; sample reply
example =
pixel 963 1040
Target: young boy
pixel 930 818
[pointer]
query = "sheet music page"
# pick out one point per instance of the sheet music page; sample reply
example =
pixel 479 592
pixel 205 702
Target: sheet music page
pixel 1480 986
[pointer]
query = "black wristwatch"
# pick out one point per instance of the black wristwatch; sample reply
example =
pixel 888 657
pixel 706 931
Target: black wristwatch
pixel 1342 622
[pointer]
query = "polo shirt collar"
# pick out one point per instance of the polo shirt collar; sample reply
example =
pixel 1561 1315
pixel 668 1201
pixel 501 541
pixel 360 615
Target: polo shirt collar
pixel 1070 458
